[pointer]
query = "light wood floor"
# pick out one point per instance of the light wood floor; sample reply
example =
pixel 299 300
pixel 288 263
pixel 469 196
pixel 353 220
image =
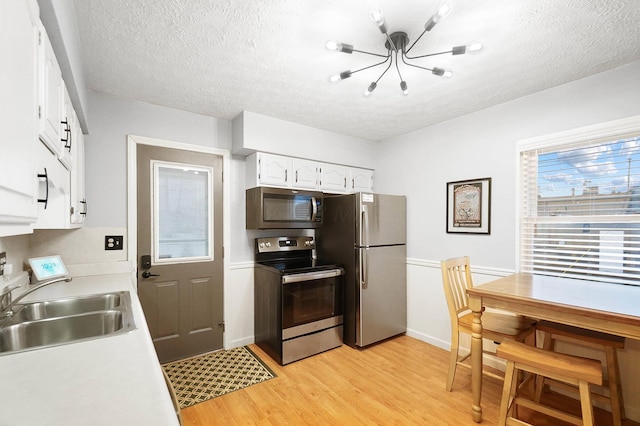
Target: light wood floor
pixel 397 382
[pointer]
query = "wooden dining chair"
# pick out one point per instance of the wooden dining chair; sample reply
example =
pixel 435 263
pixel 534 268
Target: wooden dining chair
pixel 603 342
pixel 573 370
pixel 456 278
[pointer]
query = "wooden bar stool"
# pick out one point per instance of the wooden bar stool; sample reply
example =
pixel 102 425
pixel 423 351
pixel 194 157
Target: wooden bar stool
pixel 577 371
pixel 456 279
pixel 604 342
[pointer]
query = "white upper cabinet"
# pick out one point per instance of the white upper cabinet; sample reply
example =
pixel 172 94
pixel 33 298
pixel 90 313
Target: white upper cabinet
pixel 67 122
pixel 40 126
pixel 360 180
pixel 268 170
pixel 78 198
pixel 305 174
pixel 51 99
pixel 298 173
pixel 333 178
pixel 18 115
pixel 54 187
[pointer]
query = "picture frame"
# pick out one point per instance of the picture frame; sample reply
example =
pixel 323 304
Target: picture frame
pixel 469 206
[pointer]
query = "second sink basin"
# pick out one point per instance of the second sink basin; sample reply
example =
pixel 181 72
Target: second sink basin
pixel 65 307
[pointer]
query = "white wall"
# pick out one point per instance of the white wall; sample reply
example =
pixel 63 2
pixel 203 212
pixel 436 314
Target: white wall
pixel 479 145
pixel 255 132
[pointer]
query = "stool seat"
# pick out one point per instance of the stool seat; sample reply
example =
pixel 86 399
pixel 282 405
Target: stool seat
pixel 561 367
pixel 603 342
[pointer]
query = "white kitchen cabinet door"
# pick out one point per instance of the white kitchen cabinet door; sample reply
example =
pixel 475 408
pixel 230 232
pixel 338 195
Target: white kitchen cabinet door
pixel 274 170
pixel 51 96
pixel 54 183
pixel 333 178
pixel 360 180
pixel 305 174
pixel 67 121
pixel 18 115
pixel 78 197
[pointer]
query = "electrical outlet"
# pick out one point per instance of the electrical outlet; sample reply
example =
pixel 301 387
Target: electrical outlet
pixel 3 261
pixel 113 242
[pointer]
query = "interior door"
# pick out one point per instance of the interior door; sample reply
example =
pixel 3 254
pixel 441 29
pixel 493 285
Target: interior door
pixel 180 252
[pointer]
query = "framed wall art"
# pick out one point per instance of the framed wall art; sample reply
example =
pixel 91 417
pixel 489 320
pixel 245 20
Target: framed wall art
pixel 469 206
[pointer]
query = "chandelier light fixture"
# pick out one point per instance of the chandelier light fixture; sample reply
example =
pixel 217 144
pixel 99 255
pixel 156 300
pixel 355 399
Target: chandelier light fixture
pixel 398 48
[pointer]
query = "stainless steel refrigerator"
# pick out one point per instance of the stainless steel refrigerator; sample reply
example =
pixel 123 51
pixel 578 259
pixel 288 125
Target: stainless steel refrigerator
pixel 366 234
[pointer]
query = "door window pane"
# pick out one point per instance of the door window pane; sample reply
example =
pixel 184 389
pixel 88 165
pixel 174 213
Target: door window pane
pixel 182 213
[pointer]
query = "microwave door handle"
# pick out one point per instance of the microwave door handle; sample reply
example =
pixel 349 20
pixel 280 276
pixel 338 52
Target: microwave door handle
pixel 314 209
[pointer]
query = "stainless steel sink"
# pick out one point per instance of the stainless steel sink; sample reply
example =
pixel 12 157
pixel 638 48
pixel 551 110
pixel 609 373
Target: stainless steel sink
pixel 65 307
pixel 44 324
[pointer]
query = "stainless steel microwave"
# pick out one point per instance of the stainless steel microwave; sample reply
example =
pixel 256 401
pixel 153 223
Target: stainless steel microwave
pixel 279 208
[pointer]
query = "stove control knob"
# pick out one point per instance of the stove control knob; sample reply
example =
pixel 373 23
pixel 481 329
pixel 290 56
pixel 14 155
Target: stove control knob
pixel 261 245
pixel 268 244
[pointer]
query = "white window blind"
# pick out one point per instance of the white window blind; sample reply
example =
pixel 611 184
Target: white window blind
pixel 580 207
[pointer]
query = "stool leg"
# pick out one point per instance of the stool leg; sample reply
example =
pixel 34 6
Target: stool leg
pixel 547 345
pixel 617 405
pixel 508 390
pixel 585 403
pixel 453 362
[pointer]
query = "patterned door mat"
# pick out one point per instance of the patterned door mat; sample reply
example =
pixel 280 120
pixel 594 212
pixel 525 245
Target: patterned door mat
pixel 208 376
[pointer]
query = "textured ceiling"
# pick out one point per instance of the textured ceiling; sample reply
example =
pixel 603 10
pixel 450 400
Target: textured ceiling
pixel 220 57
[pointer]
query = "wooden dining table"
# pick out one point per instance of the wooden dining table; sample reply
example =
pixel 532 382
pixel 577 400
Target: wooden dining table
pixel 605 307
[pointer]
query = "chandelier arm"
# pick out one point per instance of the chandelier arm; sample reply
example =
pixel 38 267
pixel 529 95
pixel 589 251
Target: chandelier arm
pixel 427 55
pixel 371 66
pixel 398 68
pixel 384 72
pixel 417 66
pixel 392 45
pixel 414 43
pixel 371 53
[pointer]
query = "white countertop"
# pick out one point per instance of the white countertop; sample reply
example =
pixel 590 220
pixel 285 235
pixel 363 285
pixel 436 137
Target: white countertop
pixel 114 380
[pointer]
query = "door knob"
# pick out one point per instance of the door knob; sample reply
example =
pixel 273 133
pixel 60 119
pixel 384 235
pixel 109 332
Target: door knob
pixel 147 274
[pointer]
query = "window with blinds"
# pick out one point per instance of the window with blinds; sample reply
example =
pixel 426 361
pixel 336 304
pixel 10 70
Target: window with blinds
pixel 580 206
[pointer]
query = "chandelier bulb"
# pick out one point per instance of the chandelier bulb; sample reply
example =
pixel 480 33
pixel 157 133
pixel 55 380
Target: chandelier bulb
pixel 370 89
pixel 442 72
pixel 332 45
pixel 474 47
pixel 403 87
pixel 443 11
pixel 339 47
pixel 377 17
pixel 343 75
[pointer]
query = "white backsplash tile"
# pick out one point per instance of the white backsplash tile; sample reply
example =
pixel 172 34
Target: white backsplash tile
pixel 81 246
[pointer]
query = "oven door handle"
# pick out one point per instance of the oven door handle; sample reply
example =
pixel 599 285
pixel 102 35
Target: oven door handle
pixel 310 276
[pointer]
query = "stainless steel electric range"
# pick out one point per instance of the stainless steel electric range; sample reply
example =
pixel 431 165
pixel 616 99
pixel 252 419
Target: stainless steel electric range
pixel 298 300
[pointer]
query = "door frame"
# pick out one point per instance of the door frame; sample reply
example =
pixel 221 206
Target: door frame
pixel 132 209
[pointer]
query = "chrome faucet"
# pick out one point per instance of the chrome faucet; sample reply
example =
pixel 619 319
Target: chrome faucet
pixel 6 304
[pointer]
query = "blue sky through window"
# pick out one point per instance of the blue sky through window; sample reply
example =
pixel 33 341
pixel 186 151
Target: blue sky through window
pixel 612 167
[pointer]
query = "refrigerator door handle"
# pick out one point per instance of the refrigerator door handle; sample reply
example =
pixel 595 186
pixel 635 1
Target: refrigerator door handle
pixel 364 227
pixel 363 269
